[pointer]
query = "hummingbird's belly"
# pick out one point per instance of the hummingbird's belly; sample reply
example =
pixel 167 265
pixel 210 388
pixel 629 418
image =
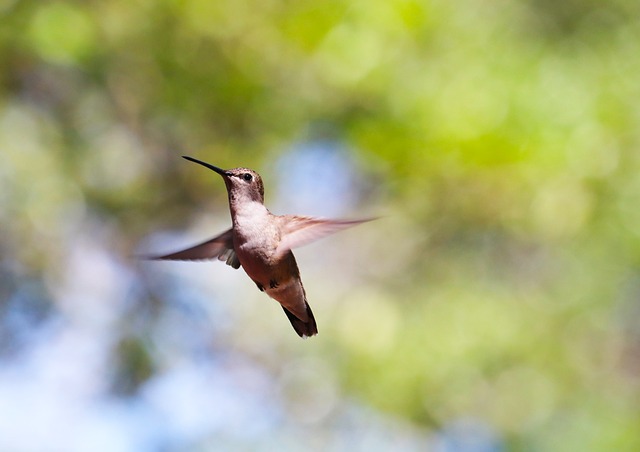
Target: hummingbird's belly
pixel 266 271
pixel 258 261
pixel 278 276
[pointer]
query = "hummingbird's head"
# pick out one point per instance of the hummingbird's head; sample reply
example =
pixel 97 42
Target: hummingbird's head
pixel 242 183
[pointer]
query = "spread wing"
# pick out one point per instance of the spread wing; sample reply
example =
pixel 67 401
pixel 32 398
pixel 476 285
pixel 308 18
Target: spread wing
pixel 298 231
pixel 220 247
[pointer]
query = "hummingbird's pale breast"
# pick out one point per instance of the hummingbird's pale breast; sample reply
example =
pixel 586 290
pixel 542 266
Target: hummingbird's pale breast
pixel 256 238
pixel 254 228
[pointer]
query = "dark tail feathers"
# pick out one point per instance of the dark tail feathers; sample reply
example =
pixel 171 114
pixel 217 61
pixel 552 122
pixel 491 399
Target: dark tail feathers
pixel 304 329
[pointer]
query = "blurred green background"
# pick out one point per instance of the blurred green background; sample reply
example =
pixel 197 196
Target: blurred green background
pixel 495 306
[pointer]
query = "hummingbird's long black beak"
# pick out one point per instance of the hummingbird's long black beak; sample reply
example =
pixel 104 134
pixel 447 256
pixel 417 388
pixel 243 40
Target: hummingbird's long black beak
pixel 220 171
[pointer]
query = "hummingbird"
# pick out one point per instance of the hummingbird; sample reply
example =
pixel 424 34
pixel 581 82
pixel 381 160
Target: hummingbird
pixel 261 243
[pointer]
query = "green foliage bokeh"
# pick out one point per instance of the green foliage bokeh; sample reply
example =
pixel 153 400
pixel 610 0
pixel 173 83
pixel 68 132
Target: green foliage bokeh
pixel 502 138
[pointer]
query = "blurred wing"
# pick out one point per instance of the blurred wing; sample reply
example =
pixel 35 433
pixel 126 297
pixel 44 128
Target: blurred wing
pixel 220 247
pixel 298 231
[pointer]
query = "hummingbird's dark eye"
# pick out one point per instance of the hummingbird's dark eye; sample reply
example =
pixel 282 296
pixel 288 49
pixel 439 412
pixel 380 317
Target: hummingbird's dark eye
pixel 247 177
